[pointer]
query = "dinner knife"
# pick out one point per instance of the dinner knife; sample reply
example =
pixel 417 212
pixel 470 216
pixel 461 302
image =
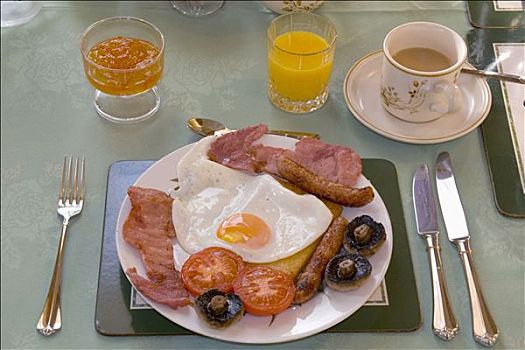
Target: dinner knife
pixel 484 328
pixel 443 322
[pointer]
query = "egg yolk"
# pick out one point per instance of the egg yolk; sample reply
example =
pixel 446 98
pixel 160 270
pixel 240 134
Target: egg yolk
pixel 244 229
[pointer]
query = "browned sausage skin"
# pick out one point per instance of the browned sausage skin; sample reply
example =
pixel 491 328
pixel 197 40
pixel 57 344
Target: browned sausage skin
pixel 309 281
pixel 312 183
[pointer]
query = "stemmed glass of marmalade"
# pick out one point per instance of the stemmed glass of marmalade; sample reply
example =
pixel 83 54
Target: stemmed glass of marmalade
pixel 123 60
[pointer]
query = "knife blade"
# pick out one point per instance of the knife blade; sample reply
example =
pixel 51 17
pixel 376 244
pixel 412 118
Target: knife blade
pixel 453 214
pixel 444 322
pixel 484 328
pixel 424 204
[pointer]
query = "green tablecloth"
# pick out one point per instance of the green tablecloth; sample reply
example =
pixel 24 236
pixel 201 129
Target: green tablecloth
pixel 215 67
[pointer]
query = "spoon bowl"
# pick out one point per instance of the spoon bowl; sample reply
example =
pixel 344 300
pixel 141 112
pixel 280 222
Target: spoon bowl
pixel 204 127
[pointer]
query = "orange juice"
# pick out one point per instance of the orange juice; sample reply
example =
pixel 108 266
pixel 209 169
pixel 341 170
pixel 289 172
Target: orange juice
pixel 299 65
pixel 124 66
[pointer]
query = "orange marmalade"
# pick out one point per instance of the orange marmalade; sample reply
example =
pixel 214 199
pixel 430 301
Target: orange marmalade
pixel 124 66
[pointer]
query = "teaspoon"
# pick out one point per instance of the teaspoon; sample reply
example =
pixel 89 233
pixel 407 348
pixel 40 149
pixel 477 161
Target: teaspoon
pixel 500 76
pixel 206 127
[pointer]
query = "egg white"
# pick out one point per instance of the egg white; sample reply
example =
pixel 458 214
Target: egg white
pixel 210 192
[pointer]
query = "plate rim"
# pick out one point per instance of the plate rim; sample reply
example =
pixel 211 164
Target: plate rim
pixel 435 140
pixel 292 337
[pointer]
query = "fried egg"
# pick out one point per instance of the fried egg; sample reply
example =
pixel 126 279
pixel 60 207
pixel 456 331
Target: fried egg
pixel 254 216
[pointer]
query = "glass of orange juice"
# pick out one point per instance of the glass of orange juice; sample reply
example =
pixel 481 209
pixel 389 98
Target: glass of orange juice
pixel 301 50
pixel 123 60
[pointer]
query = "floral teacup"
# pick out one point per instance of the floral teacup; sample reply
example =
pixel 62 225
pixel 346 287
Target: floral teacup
pixel 421 95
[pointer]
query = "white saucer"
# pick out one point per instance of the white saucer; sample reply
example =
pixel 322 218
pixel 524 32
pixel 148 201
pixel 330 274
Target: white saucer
pixel 361 90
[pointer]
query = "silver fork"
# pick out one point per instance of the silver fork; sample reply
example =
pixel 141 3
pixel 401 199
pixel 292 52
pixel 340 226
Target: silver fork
pixel 70 202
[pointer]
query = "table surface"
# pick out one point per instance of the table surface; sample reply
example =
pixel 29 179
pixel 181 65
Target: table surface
pixel 215 67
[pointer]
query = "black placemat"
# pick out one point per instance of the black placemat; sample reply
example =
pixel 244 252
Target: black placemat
pixel 118 313
pixel 497 130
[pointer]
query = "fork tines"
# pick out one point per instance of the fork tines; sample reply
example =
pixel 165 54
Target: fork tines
pixel 72 185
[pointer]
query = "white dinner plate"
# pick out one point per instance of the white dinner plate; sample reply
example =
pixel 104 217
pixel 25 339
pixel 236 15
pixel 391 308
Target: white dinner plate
pixel 326 309
pixel 361 90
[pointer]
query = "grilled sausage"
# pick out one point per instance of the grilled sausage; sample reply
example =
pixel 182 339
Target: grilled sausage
pixel 312 183
pixel 309 281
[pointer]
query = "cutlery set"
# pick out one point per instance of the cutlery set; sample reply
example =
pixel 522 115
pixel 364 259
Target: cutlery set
pixel 444 323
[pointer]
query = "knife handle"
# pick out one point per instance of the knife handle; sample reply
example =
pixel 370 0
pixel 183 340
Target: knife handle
pixel 484 328
pixel 444 322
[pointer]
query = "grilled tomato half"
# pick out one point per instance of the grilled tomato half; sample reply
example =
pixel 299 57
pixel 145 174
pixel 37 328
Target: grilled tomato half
pixel 264 291
pixel 211 268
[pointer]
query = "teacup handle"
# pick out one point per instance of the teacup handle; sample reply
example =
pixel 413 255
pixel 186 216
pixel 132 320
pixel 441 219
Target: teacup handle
pixel 452 93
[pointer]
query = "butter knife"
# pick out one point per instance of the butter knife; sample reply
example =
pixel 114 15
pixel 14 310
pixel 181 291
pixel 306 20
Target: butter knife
pixel 443 322
pixel 483 326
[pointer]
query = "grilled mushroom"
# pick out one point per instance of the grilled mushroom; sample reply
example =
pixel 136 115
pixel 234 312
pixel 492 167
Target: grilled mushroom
pixel 347 271
pixel 364 235
pixel 219 309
